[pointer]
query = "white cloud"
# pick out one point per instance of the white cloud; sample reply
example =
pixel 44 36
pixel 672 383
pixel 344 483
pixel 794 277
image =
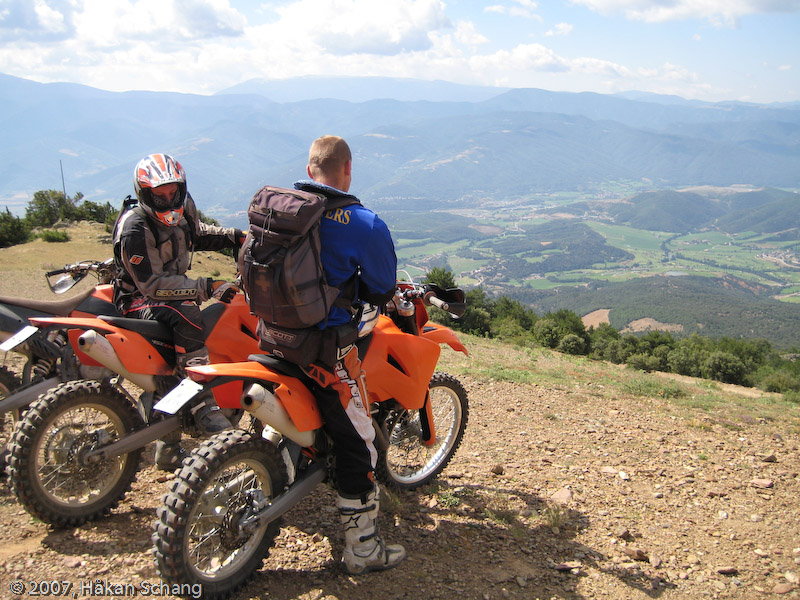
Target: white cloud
pixel 525 57
pixel 785 68
pixel 560 29
pixel 517 8
pixel 342 27
pixel 44 20
pixel 50 19
pixel 717 12
pixel 468 35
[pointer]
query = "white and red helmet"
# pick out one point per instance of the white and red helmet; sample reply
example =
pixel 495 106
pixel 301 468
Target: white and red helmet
pixel 153 172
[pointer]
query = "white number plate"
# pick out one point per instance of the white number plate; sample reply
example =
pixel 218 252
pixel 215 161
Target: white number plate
pixel 19 337
pixel 178 396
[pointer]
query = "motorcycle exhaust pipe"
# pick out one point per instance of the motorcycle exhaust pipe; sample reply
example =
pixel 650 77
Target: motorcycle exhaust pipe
pixel 265 407
pixel 100 349
pixel 26 395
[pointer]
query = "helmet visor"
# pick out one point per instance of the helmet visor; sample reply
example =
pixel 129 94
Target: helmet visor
pixel 166 197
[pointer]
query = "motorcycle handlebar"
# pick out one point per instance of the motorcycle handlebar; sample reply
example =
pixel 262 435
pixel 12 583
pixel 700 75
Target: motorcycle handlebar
pixel 76 272
pixel 431 295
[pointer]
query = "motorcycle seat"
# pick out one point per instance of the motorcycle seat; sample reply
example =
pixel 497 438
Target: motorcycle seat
pixel 146 327
pixel 57 308
pixel 277 364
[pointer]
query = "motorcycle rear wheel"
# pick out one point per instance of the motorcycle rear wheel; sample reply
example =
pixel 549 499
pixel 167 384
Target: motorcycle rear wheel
pixel 408 463
pixel 48 476
pixel 8 383
pixel 196 538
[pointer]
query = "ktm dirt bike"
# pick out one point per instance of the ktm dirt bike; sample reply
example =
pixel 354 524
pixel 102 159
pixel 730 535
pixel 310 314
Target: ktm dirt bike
pixel 223 510
pixel 76 450
pixel 48 357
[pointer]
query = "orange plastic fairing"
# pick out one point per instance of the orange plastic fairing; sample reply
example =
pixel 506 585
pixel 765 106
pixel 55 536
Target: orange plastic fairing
pixel 399 365
pixel 293 395
pixel 443 335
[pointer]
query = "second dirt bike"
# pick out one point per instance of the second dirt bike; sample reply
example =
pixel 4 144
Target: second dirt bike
pixel 48 357
pixel 223 510
pixel 76 450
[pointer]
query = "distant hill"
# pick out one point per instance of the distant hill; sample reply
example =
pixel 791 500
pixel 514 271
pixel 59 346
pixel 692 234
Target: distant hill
pixel 444 146
pixel 768 210
pixel 713 307
pixel 363 89
pixel 666 211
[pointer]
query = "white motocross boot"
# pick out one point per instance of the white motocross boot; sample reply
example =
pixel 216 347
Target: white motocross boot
pixel 364 550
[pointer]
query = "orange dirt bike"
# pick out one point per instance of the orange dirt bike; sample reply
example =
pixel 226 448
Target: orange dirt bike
pixel 48 357
pixel 223 510
pixel 76 450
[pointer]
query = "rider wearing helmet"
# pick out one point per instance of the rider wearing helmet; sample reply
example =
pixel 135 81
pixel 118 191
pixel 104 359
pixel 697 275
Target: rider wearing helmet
pixel 153 247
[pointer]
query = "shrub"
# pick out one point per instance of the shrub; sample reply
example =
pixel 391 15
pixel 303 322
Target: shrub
pixel 13 230
pixel 792 396
pixel 572 344
pixel 684 361
pixel 52 235
pixel 779 381
pixel 50 206
pixel 643 362
pixel 545 332
pixel 724 367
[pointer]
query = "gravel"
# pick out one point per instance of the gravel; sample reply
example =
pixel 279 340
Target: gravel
pixel 556 492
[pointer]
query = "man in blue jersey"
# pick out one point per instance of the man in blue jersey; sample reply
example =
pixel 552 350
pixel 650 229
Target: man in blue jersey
pixel 355 243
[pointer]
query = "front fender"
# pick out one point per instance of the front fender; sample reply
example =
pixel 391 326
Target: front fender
pixel 443 335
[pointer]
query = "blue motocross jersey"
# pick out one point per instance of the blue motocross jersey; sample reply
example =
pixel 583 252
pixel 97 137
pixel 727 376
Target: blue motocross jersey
pixel 352 238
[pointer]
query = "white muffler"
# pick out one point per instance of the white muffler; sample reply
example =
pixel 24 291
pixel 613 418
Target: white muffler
pixel 265 407
pixel 100 349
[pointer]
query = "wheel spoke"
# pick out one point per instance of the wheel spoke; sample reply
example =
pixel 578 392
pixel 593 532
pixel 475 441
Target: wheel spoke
pixel 409 462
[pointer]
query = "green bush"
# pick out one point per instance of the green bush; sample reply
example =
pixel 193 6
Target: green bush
pixel 13 230
pixel 779 381
pixel 545 332
pixel 50 206
pixel 724 367
pixel 685 361
pixel 572 344
pixel 643 362
pixel 53 235
pixel 792 396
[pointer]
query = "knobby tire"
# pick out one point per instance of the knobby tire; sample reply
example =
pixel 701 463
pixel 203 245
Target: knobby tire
pixel 47 476
pixel 408 463
pixel 199 515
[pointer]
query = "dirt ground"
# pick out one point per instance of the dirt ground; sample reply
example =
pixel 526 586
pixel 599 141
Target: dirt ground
pixel 566 486
pixel 554 494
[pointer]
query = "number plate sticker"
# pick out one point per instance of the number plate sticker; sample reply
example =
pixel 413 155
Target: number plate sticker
pixel 15 340
pixel 178 396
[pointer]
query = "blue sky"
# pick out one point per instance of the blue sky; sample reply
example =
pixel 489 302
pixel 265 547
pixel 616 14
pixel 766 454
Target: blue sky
pixel 711 50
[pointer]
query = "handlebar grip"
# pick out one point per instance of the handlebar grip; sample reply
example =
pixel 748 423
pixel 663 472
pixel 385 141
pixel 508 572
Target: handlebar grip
pixel 56 272
pixel 438 303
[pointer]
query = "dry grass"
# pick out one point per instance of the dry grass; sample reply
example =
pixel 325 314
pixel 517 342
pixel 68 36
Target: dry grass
pixel 22 267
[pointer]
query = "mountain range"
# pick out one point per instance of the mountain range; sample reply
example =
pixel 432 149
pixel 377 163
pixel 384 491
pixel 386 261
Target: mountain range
pixel 431 145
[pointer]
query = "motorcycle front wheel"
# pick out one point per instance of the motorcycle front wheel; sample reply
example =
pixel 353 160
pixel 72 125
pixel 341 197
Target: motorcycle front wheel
pixel 408 463
pixel 48 472
pixel 197 537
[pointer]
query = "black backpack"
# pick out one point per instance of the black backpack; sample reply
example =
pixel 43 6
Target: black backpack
pixel 280 264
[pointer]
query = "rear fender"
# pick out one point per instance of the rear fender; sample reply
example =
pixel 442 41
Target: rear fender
pixel 399 365
pixel 135 351
pixel 295 397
